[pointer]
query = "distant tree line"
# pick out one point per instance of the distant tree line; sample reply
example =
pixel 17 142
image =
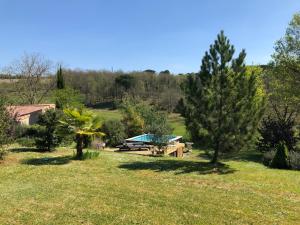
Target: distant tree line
pixel 31 80
pixel 98 87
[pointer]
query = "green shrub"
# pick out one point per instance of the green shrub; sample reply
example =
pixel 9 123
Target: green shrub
pixel 268 157
pixel 294 160
pixel 6 124
pixel 276 130
pixel 20 131
pixel 67 140
pixel 46 135
pixel 26 142
pixel 280 160
pixel 88 155
pixel 115 132
pixel 3 153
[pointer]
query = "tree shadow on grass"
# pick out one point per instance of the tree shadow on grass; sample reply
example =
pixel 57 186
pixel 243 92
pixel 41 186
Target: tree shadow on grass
pixel 242 156
pixel 246 156
pixel 59 160
pixel 180 167
pixel 19 150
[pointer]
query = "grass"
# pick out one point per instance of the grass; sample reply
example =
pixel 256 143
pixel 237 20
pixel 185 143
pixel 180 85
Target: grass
pixel 116 188
pixel 177 123
pixel 107 114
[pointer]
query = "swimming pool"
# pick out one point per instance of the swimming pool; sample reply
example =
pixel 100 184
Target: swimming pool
pixel 149 138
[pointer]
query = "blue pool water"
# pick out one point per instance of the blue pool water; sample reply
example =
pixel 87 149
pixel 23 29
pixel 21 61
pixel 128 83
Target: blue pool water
pixel 148 138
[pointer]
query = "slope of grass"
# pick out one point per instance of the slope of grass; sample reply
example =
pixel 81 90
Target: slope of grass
pixel 107 114
pixel 116 188
pixel 177 123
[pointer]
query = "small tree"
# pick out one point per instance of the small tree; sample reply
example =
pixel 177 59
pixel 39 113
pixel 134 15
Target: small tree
pixel 5 127
pixel 140 117
pixel 222 100
pixel 115 132
pixel 156 122
pixel 46 135
pixel 81 124
pixel 68 98
pixel 283 86
pixel 60 81
pixel 276 130
pixel 280 160
pixel 132 119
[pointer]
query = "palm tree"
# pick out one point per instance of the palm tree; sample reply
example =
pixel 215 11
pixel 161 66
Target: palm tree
pixel 82 124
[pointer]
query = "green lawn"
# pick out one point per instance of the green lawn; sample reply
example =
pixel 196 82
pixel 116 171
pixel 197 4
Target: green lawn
pixel 107 114
pixel 119 188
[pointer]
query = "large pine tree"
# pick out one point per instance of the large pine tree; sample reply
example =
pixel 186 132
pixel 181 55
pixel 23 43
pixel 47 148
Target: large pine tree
pixel 222 100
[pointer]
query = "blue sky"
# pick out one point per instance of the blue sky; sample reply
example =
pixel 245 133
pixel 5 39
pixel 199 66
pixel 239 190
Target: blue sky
pixel 139 34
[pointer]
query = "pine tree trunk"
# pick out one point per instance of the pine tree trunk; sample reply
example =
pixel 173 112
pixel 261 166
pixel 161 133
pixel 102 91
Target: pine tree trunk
pixel 79 146
pixel 216 155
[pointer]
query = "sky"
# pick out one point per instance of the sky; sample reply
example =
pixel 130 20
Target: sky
pixel 139 34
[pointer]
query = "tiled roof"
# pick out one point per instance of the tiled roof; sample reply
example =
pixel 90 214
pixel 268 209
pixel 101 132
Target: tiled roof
pixel 21 110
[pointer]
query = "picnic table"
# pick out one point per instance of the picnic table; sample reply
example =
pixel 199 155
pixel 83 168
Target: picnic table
pixel 136 146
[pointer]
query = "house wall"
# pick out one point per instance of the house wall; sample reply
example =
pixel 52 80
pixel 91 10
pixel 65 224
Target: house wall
pixel 29 114
pixel 30 119
pixel 24 120
pixel 34 116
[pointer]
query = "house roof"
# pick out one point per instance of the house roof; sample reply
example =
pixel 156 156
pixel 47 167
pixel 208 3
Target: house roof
pixel 22 110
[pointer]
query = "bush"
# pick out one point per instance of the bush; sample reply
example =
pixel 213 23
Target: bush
pixel 20 131
pixel 140 117
pixel 268 157
pixel 294 160
pixel 88 155
pixel 115 132
pixel 276 130
pixel 3 152
pixel 26 142
pixel 280 160
pixel 67 140
pixel 6 125
pixel 46 135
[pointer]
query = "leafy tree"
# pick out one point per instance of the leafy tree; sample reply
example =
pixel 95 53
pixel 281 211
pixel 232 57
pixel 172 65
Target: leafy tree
pixel 169 99
pixel 157 125
pixel 132 120
pixel 165 72
pixel 284 75
pixel 222 100
pixel 60 81
pixel 68 98
pixel 156 122
pixel 81 124
pixel 115 132
pixel 47 137
pixel 283 86
pixel 125 81
pixel 150 71
pixel 139 117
